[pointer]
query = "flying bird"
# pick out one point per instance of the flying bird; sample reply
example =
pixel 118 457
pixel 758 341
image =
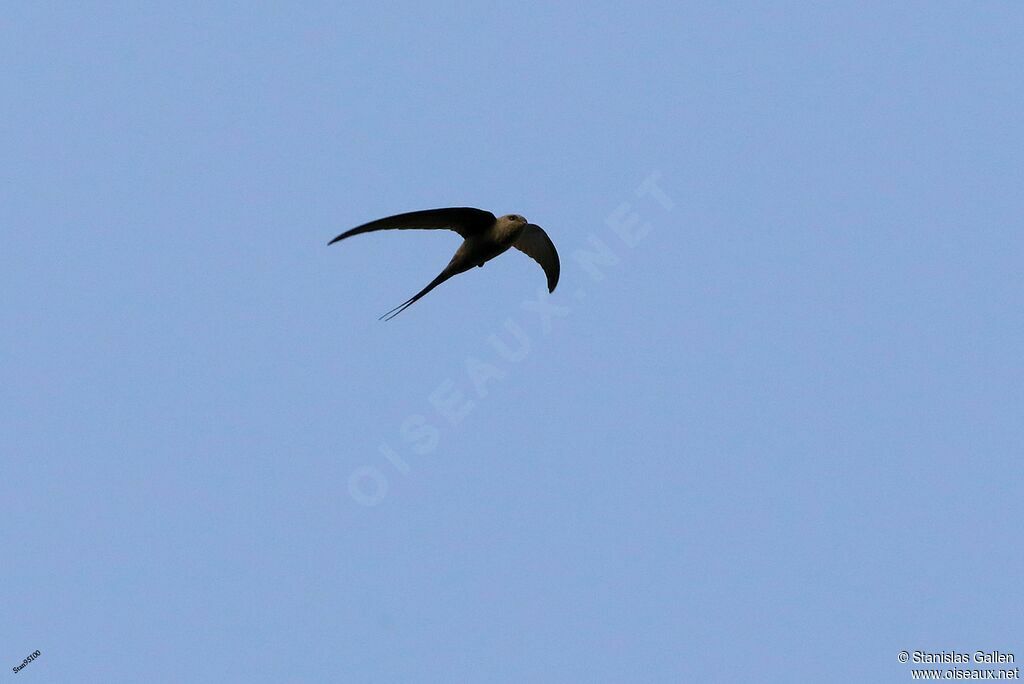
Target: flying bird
pixel 483 238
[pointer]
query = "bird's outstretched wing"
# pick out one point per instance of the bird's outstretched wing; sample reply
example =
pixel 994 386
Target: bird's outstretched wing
pixel 465 221
pixel 535 243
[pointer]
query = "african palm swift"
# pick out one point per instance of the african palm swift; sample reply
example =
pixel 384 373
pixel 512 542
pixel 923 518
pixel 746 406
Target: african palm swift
pixel 483 238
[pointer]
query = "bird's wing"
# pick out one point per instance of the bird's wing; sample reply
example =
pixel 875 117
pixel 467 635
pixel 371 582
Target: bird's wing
pixel 465 221
pixel 535 243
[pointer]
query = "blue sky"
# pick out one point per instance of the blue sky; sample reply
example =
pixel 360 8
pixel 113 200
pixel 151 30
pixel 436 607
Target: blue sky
pixel 768 427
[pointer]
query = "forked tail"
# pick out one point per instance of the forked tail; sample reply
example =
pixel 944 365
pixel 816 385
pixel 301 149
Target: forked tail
pixel 447 273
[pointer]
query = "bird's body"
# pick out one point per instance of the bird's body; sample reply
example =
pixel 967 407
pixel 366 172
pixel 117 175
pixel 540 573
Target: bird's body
pixel 484 237
pixel 498 239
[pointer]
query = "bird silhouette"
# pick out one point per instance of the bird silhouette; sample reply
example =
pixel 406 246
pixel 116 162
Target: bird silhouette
pixel 483 238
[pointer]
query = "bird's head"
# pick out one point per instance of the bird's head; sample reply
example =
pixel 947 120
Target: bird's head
pixel 513 220
pixel 509 226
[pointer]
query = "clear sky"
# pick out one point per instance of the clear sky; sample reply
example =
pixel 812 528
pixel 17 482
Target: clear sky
pixel 769 427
